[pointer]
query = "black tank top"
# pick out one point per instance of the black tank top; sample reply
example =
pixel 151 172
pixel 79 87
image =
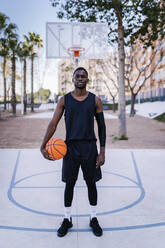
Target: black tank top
pixel 79 117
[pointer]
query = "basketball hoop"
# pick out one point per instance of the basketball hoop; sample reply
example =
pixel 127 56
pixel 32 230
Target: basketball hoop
pixel 76 52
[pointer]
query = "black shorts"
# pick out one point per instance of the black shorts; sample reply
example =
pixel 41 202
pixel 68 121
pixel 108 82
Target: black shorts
pixel 82 153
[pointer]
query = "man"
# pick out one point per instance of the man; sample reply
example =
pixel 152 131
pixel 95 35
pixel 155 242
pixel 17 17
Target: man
pixel 80 108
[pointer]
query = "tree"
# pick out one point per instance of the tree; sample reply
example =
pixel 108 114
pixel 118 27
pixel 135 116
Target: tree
pixel 12 39
pixel 3 22
pixel 33 40
pixel 103 72
pixel 127 20
pixel 142 71
pixel 45 94
pixel 4 50
pixel 110 70
pixel 23 53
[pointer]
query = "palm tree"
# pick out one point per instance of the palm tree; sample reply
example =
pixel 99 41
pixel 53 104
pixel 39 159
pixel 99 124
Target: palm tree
pixel 4 52
pixel 3 19
pixel 33 40
pixel 13 44
pixel 24 51
pixel 12 38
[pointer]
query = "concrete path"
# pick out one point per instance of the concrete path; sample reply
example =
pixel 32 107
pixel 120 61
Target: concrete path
pixel 50 115
pixel 131 201
pixel 148 109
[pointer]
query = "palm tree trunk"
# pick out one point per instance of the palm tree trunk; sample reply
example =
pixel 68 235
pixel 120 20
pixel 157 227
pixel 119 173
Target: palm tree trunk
pixel 32 97
pixel 121 81
pixel 24 81
pixel 13 98
pixel 4 80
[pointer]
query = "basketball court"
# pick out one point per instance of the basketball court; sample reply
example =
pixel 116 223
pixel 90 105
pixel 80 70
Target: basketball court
pixel 131 197
pixel 131 201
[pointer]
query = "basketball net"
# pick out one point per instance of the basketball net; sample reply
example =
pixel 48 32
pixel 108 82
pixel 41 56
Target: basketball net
pixel 76 53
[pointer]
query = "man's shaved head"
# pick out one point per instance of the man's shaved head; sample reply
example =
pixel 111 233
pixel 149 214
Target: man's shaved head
pixel 80 69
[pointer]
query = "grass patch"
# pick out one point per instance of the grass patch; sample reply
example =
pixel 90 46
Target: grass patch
pixel 123 138
pixel 117 138
pixel 160 118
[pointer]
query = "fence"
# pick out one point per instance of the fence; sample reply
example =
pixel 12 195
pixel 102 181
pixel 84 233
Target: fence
pixel 149 96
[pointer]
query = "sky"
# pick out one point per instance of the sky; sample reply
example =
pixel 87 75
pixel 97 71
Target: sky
pixel 31 16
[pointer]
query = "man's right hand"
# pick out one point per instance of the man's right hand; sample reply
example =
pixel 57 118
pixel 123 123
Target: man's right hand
pixel 46 154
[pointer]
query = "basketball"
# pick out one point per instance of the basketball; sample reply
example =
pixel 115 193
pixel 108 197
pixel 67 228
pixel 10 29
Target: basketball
pixel 56 148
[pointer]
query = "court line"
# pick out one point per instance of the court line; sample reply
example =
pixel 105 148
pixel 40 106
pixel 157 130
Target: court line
pixel 15 169
pixel 61 215
pixel 122 228
pixel 79 187
pixel 84 230
pixel 136 170
pixel 74 215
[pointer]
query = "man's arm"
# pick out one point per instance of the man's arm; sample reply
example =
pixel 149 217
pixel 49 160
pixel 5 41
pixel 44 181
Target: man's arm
pixel 101 130
pixel 52 127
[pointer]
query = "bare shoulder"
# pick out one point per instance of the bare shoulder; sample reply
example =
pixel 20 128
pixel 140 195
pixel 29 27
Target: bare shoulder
pixel 99 106
pixel 98 100
pixel 60 106
pixel 61 102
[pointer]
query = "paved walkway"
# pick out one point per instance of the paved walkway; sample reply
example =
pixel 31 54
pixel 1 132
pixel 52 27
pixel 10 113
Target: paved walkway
pixel 48 114
pixel 148 109
pixel 131 201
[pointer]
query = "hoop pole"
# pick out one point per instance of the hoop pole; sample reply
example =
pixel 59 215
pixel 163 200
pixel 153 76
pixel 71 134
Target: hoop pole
pixel 76 61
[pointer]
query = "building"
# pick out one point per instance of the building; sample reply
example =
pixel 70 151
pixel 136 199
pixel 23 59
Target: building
pixel 101 77
pixel 148 64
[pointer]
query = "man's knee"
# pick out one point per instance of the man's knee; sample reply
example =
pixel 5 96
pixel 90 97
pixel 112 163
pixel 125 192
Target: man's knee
pixel 70 185
pixel 90 183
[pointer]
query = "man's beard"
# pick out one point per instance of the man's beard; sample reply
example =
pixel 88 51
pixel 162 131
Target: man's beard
pixel 80 87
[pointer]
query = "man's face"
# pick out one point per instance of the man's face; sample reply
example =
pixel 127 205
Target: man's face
pixel 80 79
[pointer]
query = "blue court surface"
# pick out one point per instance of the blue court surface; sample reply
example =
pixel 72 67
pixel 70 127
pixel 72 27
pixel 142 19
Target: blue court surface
pixel 131 201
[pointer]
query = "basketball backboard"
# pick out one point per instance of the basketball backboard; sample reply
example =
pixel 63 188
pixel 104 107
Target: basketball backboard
pixel 91 39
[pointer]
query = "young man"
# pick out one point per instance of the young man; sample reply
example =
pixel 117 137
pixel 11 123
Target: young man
pixel 80 108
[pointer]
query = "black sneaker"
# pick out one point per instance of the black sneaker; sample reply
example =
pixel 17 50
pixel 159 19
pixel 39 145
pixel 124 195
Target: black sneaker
pixel 66 224
pixel 97 230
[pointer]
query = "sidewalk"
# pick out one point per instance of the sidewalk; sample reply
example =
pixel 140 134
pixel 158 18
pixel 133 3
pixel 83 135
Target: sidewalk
pixel 28 132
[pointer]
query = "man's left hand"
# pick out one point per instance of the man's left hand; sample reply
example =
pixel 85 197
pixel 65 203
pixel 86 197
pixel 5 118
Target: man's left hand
pixel 100 160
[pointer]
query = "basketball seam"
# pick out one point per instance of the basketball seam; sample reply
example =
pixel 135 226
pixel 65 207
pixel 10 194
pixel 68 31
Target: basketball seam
pixel 57 150
pixel 52 152
pixel 61 145
pixel 56 140
pixel 50 146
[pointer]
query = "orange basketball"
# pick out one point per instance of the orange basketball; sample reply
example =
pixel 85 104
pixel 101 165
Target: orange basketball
pixel 56 148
